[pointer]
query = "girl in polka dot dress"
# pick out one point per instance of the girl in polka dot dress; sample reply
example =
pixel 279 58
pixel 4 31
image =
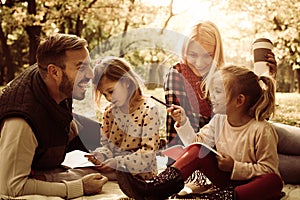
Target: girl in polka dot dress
pixel 130 129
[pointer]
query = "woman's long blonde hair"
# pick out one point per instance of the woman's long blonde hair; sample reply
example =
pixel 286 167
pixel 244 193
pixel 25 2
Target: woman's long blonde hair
pixel 206 32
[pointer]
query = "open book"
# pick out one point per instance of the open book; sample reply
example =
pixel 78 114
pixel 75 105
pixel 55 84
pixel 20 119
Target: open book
pixel 76 159
pixel 176 151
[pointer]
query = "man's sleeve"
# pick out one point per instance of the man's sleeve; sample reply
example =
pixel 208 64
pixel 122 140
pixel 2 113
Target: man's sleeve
pixel 17 149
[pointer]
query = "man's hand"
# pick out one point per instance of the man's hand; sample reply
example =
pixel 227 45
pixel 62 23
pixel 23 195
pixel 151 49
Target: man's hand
pixel 92 183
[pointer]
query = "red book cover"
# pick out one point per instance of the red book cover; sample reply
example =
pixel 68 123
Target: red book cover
pixel 176 151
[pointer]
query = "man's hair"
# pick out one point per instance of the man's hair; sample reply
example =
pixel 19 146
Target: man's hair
pixel 51 50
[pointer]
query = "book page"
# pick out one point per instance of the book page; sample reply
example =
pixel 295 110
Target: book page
pixel 176 151
pixel 76 159
pixel 208 147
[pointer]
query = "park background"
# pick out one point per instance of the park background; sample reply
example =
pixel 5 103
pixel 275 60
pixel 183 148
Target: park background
pixel 148 33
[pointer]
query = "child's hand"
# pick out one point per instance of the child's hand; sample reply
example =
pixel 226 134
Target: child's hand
pixel 95 157
pixel 225 163
pixel 109 165
pixel 178 114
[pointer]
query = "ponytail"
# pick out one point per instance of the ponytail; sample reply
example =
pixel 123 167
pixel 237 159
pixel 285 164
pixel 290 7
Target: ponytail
pixel 265 105
pixel 258 90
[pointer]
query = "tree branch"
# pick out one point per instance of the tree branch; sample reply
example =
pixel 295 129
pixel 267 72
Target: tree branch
pixel 171 14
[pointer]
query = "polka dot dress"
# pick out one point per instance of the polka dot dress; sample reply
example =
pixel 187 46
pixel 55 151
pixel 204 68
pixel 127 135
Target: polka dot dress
pixel 132 138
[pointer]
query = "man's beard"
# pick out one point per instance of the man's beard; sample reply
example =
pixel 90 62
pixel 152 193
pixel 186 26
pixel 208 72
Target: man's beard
pixel 66 86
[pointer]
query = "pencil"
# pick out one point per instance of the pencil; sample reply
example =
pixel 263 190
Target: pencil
pixel 165 104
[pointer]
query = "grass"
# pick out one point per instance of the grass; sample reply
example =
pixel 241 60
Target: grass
pixel 287 109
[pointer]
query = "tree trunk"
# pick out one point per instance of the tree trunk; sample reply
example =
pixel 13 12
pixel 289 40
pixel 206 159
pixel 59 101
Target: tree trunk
pixel 298 79
pixel 153 76
pixel 292 78
pixel 79 26
pixel 8 68
pixel 121 53
pixel 33 33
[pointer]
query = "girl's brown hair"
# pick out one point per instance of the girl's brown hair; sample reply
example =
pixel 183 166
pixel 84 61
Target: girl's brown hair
pixel 258 90
pixel 116 69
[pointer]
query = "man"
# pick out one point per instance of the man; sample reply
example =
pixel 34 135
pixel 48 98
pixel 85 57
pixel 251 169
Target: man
pixel 36 123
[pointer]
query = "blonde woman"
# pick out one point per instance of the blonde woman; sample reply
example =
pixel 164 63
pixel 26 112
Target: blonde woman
pixel 202 53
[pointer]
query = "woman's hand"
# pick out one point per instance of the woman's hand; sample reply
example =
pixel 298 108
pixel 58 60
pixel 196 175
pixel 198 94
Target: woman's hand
pixel 178 114
pixel 272 64
pixel 225 163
